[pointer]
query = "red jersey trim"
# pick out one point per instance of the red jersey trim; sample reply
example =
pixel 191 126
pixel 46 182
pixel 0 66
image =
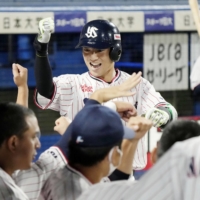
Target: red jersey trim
pixel 51 100
pixel 117 75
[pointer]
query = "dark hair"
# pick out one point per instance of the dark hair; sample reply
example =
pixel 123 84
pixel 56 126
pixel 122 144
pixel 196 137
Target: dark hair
pixel 13 120
pixel 87 156
pixel 175 131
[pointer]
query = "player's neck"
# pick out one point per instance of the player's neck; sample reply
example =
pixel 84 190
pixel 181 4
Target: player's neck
pixel 93 174
pixel 108 77
pixel 7 165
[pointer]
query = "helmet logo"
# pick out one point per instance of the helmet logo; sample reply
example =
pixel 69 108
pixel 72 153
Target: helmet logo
pixel 91 32
pixel 117 37
pixel 79 139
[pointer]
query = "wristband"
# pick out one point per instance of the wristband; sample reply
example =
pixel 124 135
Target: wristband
pixel 41 48
pixel 111 105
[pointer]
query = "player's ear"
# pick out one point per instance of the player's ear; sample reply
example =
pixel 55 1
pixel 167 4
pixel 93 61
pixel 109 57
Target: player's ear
pixel 13 143
pixel 154 155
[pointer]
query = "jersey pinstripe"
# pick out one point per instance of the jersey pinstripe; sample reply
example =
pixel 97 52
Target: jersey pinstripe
pixel 70 90
pixel 31 181
pixel 175 176
pixel 8 189
pixel 65 184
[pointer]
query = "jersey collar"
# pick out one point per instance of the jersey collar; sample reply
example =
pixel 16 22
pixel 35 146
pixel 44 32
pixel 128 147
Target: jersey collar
pixel 77 172
pixel 117 75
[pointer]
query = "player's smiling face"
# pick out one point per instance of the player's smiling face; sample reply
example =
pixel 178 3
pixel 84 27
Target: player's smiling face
pixel 99 63
pixel 28 143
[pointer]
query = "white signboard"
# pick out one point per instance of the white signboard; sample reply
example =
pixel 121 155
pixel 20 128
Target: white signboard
pixel 125 21
pixel 194 49
pixel 166 61
pixel 183 20
pixel 21 22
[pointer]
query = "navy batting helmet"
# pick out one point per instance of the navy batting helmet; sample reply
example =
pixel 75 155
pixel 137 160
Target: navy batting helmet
pixel 101 34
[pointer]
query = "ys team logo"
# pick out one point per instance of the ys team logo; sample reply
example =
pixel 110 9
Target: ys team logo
pixel 91 32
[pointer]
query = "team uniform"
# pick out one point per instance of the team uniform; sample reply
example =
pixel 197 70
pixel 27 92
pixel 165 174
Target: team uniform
pixel 175 176
pixel 71 90
pixel 31 181
pixel 195 74
pixel 66 183
pixel 8 189
pixel 69 183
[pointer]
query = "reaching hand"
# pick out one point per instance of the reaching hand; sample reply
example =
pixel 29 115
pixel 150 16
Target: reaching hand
pixel 140 125
pixel 125 110
pixel 130 83
pixel 61 124
pixel 46 27
pixel 19 75
pixel 123 90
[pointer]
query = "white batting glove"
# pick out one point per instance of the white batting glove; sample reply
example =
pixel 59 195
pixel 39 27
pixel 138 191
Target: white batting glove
pixel 46 27
pixel 157 116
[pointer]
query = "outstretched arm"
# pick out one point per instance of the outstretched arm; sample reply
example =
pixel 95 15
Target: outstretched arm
pixel 126 110
pixel 123 90
pixel 20 79
pixel 140 126
pixel 43 73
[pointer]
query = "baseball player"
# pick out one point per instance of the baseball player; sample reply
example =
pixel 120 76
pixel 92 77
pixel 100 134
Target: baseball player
pixel 194 78
pixel 175 131
pixel 91 155
pixel 31 181
pixel 100 41
pixel 49 160
pixel 174 176
pixel 19 143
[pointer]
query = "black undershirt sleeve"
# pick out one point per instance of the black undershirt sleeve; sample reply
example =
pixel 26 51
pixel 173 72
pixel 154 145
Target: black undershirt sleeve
pixel 43 73
pixel 118 175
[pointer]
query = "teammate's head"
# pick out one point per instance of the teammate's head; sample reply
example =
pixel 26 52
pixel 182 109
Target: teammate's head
pixel 18 138
pixel 176 131
pixel 94 132
pixel 101 44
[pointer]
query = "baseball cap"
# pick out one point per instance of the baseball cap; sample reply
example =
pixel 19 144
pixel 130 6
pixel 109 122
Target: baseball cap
pixel 97 126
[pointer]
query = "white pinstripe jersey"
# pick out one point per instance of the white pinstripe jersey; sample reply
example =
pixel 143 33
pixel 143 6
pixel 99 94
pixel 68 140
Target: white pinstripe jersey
pixel 195 74
pixel 65 184
pixel 176 176
pixel 31 181
pixel 8 189
pixel 70 90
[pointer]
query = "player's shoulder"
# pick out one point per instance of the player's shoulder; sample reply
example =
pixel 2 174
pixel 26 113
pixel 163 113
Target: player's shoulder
pixel 114 185
pixel 106 188
pixel 123 74
pixel 189 144
pixel 71 76
pixel 64 76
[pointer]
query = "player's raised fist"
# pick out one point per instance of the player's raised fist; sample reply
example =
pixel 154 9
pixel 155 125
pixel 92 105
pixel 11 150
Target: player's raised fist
pixel 20 75
pixel 46 27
